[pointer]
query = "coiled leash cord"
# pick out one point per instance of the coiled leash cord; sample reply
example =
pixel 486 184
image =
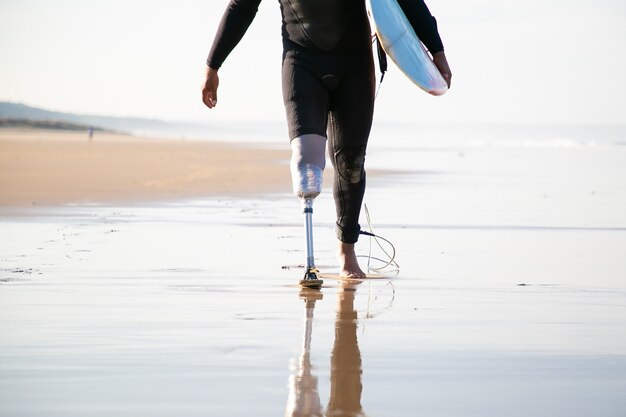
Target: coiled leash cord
pixel 390 265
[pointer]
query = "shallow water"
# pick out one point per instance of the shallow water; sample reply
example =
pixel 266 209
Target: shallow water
pixel 510 300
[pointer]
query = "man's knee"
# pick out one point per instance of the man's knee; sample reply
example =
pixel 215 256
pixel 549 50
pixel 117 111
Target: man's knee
pixel 350 164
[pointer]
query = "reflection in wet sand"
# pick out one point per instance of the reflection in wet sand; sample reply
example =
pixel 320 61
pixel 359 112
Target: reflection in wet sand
pixel 345 362
pixel 304 397
pixel 345 369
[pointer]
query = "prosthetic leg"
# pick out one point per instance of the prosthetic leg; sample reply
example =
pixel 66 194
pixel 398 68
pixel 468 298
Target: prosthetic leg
pixel 310 181
pixel 307 174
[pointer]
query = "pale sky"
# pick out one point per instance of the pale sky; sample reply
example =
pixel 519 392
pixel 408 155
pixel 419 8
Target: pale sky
pixel 513 61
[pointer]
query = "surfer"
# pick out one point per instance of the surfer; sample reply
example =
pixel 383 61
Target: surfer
pixel 328 84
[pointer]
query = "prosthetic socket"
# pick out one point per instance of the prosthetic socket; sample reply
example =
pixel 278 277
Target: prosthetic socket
pixel 307 165
pixel 307 181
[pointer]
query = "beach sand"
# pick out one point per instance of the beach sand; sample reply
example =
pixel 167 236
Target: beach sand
pixel 44 167
pixel 510 299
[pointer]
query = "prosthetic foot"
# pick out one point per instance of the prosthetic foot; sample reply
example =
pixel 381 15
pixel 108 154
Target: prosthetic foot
pixel 307 184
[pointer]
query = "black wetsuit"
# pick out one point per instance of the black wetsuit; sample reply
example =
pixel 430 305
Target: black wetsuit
pixel 328 81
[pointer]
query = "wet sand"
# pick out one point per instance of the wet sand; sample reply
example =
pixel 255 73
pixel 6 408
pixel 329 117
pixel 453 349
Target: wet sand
pixel 510 300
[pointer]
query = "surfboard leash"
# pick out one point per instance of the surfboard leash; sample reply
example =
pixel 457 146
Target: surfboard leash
pixel 382 61
pixel 390 265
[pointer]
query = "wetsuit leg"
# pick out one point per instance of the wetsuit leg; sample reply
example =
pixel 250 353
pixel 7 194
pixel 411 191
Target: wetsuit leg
pixel 305 97
pixel 349 124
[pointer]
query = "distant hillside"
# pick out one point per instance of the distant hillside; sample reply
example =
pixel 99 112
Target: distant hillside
pixel 225 130
pixel 18 111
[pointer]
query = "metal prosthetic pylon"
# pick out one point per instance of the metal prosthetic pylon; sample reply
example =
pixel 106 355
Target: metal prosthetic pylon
pixel 311 274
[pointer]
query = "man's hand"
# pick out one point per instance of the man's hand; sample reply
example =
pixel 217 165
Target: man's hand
pixel 442 65
pixel 209 88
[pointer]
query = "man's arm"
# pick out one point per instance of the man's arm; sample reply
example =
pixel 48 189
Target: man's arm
pixel 424 23
pixel 425 26
pixel 237 18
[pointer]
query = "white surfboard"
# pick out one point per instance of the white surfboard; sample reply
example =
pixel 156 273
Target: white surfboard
pixel 400 42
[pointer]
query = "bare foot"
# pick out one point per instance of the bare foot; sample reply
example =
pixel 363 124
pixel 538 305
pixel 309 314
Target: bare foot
pixel 348 264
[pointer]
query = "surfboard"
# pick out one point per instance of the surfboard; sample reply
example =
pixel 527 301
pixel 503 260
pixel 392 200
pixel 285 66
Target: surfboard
pixel 400 42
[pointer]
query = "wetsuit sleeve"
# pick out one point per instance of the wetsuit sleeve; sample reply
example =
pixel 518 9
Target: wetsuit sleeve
pixel 424 24
pixel 237 18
